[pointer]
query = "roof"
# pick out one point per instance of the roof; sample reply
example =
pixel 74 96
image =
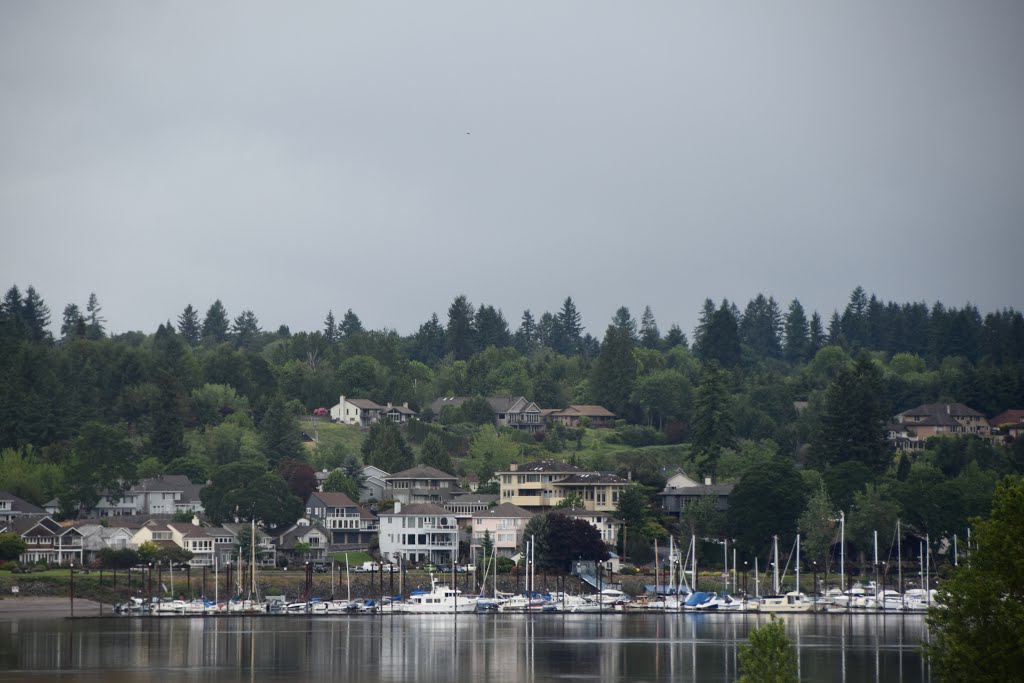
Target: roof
pixel 334 499
pixel 469 498
pixel 582 512
pixel 499 404
pixel 586 411
pixel 189 530
pixel 545 466
pixel 421 472
pixel 166 482
pixel 418 509
pixel 584 478
pixel 1014 416
pixel 289 538
pixel 364 404
pixel 701 490
pixel 20 505
pixel 932 409
pixel 504 511
pixel 404 409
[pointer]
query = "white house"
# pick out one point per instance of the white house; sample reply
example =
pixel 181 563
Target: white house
pixel 422 532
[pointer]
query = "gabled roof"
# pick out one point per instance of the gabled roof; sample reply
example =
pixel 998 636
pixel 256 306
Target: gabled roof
pixel 504 511
pixel 364 404
pixel 403 409
pixel 1013 416
pixel 289 538
pixel 421 472
pixel 418 509
pixel 933 409
pixel 188 530
pixel 701 490
pixel 21 506
pixel 334 499
pixel 164 483
pixel 499 404
pixel 585 411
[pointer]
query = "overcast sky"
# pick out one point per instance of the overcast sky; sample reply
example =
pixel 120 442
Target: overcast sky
pixel 292 158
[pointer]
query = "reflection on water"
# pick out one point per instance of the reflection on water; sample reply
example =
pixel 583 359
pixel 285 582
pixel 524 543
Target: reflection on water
pixel 495 648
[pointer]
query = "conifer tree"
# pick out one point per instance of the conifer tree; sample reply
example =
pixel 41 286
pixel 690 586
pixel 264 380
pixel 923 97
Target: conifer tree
pixel 615 371
pixel 330 328
pixel 434 454
pixel 650 336
pixel 215 324
pixel 351 325
pixel 94 322
pixel 526 335
pixel 188 326
pixel 71 319
pixel 797 334
pixel 36 316
pixel 625 322
pixel 568 328
pixel 460 336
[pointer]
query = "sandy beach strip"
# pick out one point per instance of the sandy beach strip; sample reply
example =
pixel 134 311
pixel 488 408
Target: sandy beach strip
pixel 29 606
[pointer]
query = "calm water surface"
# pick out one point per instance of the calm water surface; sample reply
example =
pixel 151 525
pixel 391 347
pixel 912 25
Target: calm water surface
pixel 407 649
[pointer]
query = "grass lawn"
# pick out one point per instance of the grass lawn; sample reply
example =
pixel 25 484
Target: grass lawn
pixel 332 434
pixel 355 558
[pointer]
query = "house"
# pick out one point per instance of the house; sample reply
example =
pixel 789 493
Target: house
pixel 373 484
pixel 163 495
pixel 605 522
pixel 912 428
pixel 47 540
pixel 421 484
pixel 348 523
pixel 465 505
pixel 422 532
pixel 361 412
pixel 195 539
pixel 314 536
pixel 515 412
pixel 1010 424
pixel 597 416
pixel 11 506
pixel 229 536
pixel 399 414
pixel 545 483
pixel 680 491
pixel 504 525
pixel 96 538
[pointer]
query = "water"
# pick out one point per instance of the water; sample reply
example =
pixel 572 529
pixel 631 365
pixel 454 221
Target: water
pixel 494 648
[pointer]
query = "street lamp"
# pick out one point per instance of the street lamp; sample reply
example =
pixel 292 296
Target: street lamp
pixel 814 565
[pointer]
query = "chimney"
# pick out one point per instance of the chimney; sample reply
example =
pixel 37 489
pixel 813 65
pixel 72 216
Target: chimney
pixel 513 467
pixel 195 520
pixel 398 506
pixel 389 406
pixel 947 409
pixel 707 481
pixel 405 405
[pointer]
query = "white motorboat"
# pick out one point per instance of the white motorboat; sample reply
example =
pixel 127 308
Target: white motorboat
pixel 440 599
pixel 792 601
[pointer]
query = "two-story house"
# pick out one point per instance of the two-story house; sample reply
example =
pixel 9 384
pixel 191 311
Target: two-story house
pixel 46 540
pixel 373 484
pixel 545 483
pixel 96 538
pixel 360 412
pixel 421 532
pixel 11 506
pixel 304 542
pixel 605 522
pixel 503 524
pixel 350 525
pixel 421 484
pixel 163 495
pixel 912 428
pixel 516 412
pixel 680 491
pixel 195 539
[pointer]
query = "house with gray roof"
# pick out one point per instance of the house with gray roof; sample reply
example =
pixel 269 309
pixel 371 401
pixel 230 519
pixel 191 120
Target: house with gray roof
pixel 546 483
pixel 422 532
pixel 421 484
pixel 515 412
pixel 681 491
pixel 351 525
pixel 12 506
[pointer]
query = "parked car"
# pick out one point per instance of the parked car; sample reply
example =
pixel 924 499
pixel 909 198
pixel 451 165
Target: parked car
pixel 319 567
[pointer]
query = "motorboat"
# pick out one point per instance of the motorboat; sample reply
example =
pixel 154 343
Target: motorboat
pixel 793 601
pixel 720 602
pixel 440 599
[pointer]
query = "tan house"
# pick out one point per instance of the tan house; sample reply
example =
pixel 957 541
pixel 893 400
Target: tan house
pixel 504 524
pixel 606 523
pixel 912 428
pixel 545 483
pixel 597 416
pixel 421 484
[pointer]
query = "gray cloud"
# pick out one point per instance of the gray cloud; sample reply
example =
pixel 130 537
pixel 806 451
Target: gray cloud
pixel 295 158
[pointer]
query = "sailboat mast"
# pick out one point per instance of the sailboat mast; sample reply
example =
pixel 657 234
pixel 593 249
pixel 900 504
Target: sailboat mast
pixel 775 566
pixel 252 560
pixel 798 562
pixel 693 567
pixel 842 550
pixel 899 554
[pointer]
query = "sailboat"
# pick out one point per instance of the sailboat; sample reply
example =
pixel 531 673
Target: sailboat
pixel 793 601
pixel 249 600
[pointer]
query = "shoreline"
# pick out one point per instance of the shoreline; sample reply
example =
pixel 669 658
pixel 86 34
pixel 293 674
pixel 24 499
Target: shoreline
pixel 48 606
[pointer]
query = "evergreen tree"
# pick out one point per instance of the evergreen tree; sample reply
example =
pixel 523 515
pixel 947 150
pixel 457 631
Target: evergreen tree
pixel 615 371
pixel 817 524
pixel 188 326
pixel 720 341
pixel 853 322
pixel 330 328
pixel 835 331
pixel 568 328
pixel 797 334
pixel 491 328
pixel 459 334
pixel 816 335
pixel 351 325
pixel 707 312
pixel 94 328
pixel 675 337
pixel 245 329
pixel 625 322
pixel 853 424
pixel 215 324
pixel 434 454
pixel 547 331
pixel 279 434
pixel 428 344
pixel 650 335
pixel 36 316
pixel 70 321
pixel 526 335
pixel 761 326
pixel 713 426
pixel 385 448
